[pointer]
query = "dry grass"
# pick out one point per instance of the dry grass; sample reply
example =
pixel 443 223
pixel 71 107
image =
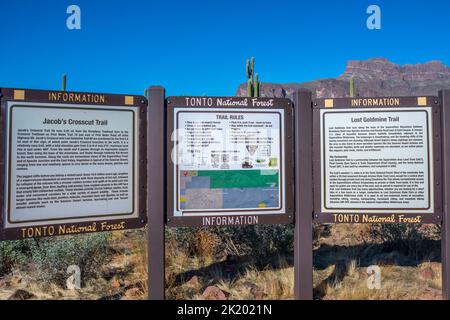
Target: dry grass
pixel 349 235
pixel 398 283
pixel 271 283
pixel 341 275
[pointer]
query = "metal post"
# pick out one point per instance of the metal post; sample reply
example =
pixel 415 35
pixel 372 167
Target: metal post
pixel 156 192
pixel 445 242
pixel 303 258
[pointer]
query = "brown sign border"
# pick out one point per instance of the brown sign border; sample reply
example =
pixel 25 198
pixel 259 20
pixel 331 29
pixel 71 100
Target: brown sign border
pixel 386 102
pixel 211 102
pixel 74 98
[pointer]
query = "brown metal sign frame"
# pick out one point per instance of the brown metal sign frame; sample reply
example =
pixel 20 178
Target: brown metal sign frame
pixel 232 103
pixel 75 98
pixel 444 97
pixel 380 103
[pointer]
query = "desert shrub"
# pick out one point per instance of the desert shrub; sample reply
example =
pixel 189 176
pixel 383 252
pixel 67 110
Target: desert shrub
pixel 397 233
pixel 260 240
pixel 52 256
pixel 320 231
pixel 409 239
pixel 431 231
pixel 13 253
pixel 204 243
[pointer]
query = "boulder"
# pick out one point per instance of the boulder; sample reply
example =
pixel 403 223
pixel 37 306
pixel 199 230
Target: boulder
pixel 214 293
pixel 427 273
pixel 193 282
pixel 21 294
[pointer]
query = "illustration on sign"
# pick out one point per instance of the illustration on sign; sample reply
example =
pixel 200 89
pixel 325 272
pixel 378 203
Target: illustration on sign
pixel 229 160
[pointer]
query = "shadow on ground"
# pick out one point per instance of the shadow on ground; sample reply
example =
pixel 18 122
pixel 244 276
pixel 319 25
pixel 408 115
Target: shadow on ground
pixel 339 256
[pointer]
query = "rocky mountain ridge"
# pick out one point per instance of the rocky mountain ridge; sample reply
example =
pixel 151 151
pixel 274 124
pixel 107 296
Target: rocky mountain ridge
pixel 373 77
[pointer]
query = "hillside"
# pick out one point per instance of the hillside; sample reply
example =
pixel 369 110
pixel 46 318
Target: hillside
pixel 373 77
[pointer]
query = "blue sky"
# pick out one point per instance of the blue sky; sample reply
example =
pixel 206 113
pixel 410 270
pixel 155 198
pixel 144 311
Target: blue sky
pixel 200 47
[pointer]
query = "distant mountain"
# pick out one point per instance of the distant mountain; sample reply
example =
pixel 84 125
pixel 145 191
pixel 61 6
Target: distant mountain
pixel 373 77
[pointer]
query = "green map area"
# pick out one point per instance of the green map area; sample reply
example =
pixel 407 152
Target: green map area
pixel 241 178
pixel 229 189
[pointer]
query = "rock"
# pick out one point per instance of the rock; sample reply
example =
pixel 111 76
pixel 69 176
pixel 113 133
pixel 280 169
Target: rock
pixel 116 284
pixel 16 280
pixel 116 296
pixel 193 282
pixel 258 293
pixel 4 283
pixel 427 273
pixel 214 293
pixel 109 272
pixel 126 283
pixel 431 294
pixel 21 294
pixel 250 285
pixel 133 292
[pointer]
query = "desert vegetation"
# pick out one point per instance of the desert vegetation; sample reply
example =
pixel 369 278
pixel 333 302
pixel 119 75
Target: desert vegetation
pixel 253 262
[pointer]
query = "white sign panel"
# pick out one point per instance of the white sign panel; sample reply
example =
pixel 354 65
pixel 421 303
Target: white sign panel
pixel 228 161
pixel 69 163
pixel 377 159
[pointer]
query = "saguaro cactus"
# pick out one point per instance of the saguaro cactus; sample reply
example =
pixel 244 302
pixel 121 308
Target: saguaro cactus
pixel 64 82
pixel 352 87
pixel 253 84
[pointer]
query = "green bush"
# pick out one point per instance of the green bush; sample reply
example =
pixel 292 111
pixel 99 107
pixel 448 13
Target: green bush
pixel 13 253
pixel 258 241
pixel 320 231
pixel 397 233
pixel 52 257
pixel 263 240
pixel 409 239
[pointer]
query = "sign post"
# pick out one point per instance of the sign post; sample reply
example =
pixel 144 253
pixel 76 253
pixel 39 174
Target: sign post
pixel 2 167
pixel 303 247
pixel 70 163
pixel 445 230
pixel 156 163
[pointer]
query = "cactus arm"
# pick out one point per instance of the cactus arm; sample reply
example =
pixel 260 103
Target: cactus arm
pixel 256 84
pixel 64 82
pixel 253 65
